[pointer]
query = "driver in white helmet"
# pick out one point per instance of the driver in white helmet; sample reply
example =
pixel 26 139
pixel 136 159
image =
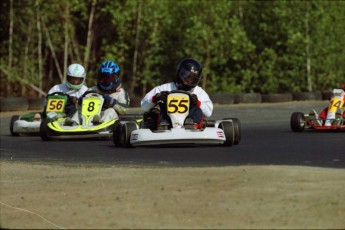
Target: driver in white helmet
pixel 74 87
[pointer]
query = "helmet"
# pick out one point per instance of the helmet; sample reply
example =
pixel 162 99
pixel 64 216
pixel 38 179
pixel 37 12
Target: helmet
pixel 188 74
pixel 75 76
pixel 108 76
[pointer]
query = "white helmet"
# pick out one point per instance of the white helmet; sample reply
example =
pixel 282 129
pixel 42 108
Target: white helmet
pixel 77 71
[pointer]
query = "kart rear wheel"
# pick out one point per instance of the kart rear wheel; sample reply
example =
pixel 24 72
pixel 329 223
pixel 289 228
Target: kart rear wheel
pixel 237 127
pixel 13 119
pixel 229 132
pixel 126 130
pixel 45 132
pixel 297 122
pixel 117 133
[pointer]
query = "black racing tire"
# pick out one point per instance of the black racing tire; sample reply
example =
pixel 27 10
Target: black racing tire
pixel 13 104
pixel 307 96
pixel 229 132
pixel 222 98
pixel 13 119
pixel 277 97
pixel 126 130
pixel 297 122
pixel 117 133
pixel 237 128
pixel 45 131
pixel 36 103
pixel 248 98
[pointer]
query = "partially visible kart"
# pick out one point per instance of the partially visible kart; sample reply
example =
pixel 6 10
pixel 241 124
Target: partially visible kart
pixel 30 123
pixel 300 121
pixel 133 133
pixel 91 105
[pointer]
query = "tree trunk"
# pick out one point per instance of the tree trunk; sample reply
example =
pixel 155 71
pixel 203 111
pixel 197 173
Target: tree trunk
pixel 10 47
pixel 57 65
pixel 89 35
pixel 39 48
pixel 135 56
pixel 65 59
pixel 309 80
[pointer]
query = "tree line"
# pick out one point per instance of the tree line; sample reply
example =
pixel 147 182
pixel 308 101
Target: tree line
pixel 244 46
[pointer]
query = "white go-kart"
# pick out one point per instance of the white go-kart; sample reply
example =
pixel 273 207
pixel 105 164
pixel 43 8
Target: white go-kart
pixel 133 133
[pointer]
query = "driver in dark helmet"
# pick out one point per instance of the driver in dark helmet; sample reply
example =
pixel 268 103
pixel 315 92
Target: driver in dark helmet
pixel 187 78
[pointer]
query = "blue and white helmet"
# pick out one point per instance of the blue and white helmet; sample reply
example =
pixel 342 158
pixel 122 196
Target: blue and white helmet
pixel 108 76
pixel 75 76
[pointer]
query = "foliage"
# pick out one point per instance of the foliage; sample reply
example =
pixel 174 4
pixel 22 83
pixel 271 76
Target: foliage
pixel 244 46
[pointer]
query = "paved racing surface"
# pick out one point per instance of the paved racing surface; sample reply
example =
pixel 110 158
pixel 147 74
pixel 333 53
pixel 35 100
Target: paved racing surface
pixel 266 140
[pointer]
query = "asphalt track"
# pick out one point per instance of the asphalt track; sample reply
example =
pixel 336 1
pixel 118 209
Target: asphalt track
pixel 266 140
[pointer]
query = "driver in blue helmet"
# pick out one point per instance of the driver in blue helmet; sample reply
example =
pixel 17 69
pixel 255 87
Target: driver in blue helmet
pixel 116 100
pixel 187 78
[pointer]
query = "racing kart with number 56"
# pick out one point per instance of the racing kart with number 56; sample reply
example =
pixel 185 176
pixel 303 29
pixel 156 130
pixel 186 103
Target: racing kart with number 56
pixel 30 123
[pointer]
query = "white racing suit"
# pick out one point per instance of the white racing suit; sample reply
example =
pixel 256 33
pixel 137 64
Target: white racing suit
pixel 206 104
pixel 107 114
pixel 70 109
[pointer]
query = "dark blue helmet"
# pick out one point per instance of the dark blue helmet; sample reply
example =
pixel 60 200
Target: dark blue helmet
pixel 188 74
pixel 108 76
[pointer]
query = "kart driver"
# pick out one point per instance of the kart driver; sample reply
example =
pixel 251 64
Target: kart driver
pixel 326 115
pixel 116 99
pixel 187 78
pixel 74 87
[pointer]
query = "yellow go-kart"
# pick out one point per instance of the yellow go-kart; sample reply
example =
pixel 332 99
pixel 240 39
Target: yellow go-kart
pixel 91 105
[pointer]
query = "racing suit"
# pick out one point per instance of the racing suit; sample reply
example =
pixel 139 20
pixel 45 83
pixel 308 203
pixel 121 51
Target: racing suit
pixel 74 95
pixel 121 106
pixel 326 115
pixel 204 106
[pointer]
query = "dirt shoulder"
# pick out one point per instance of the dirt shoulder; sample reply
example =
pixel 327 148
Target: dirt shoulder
pixel 45 196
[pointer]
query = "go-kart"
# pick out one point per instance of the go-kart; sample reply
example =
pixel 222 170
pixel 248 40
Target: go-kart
pixel 91 104
pixel 30 123
pixel 132 133
pixel 334 121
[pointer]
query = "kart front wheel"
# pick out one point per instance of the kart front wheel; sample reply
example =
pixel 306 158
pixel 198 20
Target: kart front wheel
pixel 117 133
pixel 297 122
pixel 14 118
pixel 229 132
pixel 126 130
pixel 45 132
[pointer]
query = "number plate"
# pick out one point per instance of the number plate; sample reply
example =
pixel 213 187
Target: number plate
pixel 178 104
pixel 91 106
pixel 336 103
pixel 56 105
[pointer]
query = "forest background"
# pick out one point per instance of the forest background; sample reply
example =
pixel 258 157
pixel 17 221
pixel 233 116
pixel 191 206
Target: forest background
pixel 244 46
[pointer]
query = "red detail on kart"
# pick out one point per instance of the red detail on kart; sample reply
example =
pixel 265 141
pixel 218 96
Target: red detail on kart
pixel 332 127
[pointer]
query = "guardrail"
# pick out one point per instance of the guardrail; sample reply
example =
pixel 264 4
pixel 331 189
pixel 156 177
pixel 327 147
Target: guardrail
pixel 23 103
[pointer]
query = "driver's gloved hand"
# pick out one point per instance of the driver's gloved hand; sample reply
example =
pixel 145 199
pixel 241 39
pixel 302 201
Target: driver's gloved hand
pixel 72 100
pixel 80 100
pixel 109 101
pixel 194 100
pixel 162 96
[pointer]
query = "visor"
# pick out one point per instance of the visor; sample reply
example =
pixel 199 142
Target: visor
pixel 107 79
pixel 189 78
pixel 75 80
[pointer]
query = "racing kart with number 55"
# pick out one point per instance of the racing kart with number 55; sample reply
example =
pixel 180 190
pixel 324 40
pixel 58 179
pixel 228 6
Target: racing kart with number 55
pixel 134 133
